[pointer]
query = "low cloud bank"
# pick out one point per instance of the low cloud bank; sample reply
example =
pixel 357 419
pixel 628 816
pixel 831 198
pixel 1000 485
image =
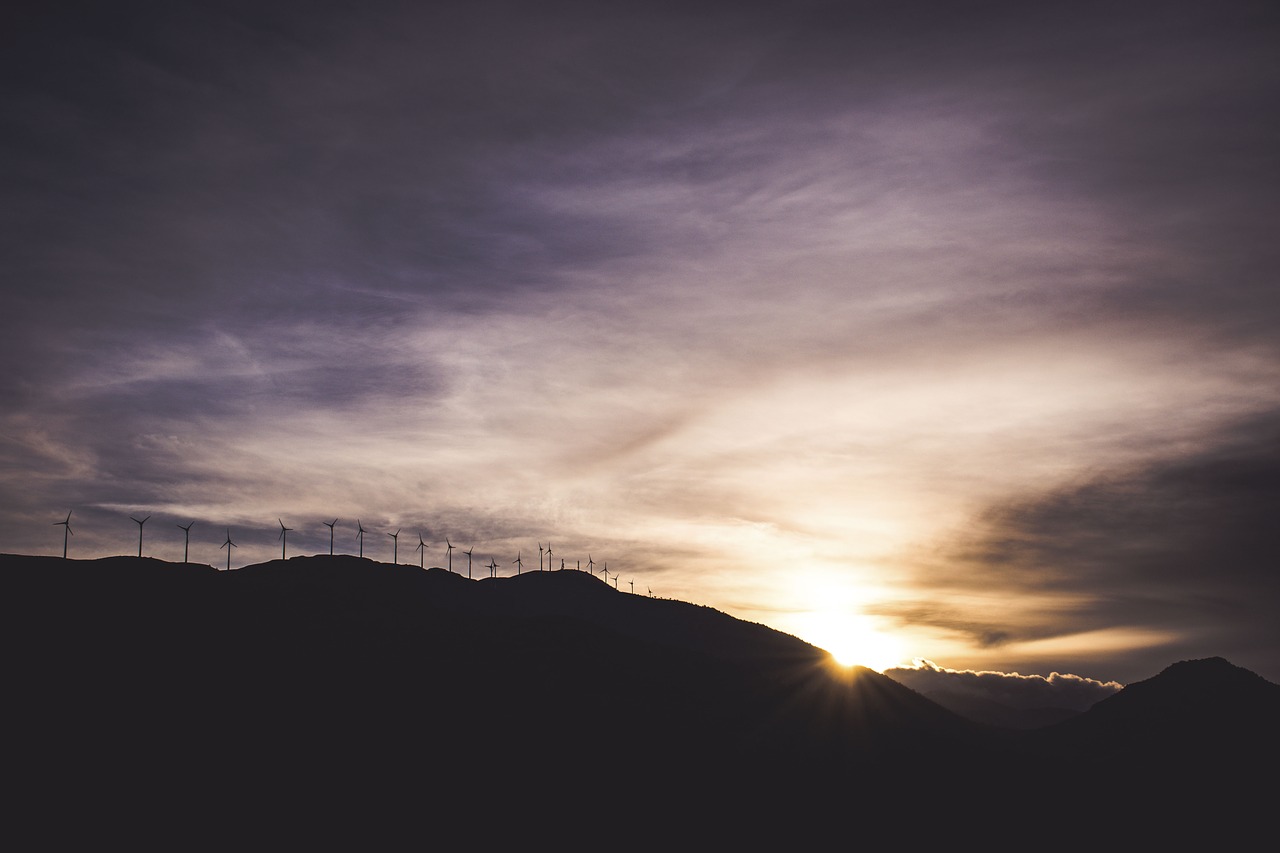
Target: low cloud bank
pixel 1022 692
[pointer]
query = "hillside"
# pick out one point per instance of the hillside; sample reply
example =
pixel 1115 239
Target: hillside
pixel 1194 712
pixel 539 646
pixel 351 684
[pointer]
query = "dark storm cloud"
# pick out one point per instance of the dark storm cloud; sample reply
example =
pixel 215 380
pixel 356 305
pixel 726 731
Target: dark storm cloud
pixel 1198 518
pixel 384 129
pixel 168 164
pixel 210 158
pixel 1163 114
pixel 1184 547
pixel 1167 116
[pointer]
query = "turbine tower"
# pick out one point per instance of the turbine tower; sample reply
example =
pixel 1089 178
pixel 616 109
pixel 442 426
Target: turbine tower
pixel 228 545
pixel 539 556
pixel 422 549
pixel 395 547
pixel 360 535
pixel 517 562
pixel 284 538
pixel 66 531
pixel 186 543
pixel 591 565
pixel 493 568
pixel 468 553
pixel 140 523
pixel 449 552
pixel 548 555
pixel 330 524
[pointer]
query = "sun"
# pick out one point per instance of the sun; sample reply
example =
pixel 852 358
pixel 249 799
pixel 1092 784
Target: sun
pixel 855 640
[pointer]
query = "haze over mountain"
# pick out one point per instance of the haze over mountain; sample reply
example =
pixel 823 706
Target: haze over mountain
pixel 343 684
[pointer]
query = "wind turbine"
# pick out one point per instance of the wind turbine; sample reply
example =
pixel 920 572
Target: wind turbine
pixel 562 564
pixel 633 587
pixel 605 571
pixel 422 547
pixel 395 547
pixel 517 562
pixel 539 556
pixel 228 545
pixel 615 581
pixel 187 541
pixel 468 553
pixel 493 567
pixel 66 531
pixel 284 538
pixel 449 552
pixel 330 524
pixel 591 564
pixel 140 523
pixel 548 555
pixel 360 535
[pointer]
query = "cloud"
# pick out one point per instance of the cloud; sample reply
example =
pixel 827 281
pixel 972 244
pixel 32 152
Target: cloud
pixel 1172 556
pixel 1022 692
pixel 749 294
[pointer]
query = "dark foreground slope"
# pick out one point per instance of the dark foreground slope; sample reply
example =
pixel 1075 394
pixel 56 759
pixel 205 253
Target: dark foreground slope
pixel 331 694
pixel 139 684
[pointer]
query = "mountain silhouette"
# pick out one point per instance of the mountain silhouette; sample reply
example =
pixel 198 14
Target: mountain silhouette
pixel 336 694
pixel 1194 711
pixel 992 712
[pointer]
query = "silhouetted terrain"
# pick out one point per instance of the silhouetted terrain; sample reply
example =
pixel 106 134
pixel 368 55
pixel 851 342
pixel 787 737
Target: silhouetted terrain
pixel 335 694
pixel 994 713
pixel 1191 713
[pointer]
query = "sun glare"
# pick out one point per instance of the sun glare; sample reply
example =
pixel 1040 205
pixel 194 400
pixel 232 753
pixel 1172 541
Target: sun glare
pixel 854 640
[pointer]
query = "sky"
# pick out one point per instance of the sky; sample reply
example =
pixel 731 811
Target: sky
pixel 938 331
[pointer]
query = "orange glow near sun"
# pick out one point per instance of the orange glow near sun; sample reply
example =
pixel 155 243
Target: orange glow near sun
pixel 854 640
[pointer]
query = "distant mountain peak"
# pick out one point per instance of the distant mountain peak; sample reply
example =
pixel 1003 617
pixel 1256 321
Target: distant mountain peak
pixel 1215 675
pixel 1209 708
pixel 1201 667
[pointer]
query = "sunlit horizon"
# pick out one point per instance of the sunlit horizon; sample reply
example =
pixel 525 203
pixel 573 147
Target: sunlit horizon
pixel 911 332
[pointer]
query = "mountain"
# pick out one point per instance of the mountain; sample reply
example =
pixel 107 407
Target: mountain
pixel 994 713
pixel 532 647
pixel 1194 710
pixel 291 680
pixel 331 695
